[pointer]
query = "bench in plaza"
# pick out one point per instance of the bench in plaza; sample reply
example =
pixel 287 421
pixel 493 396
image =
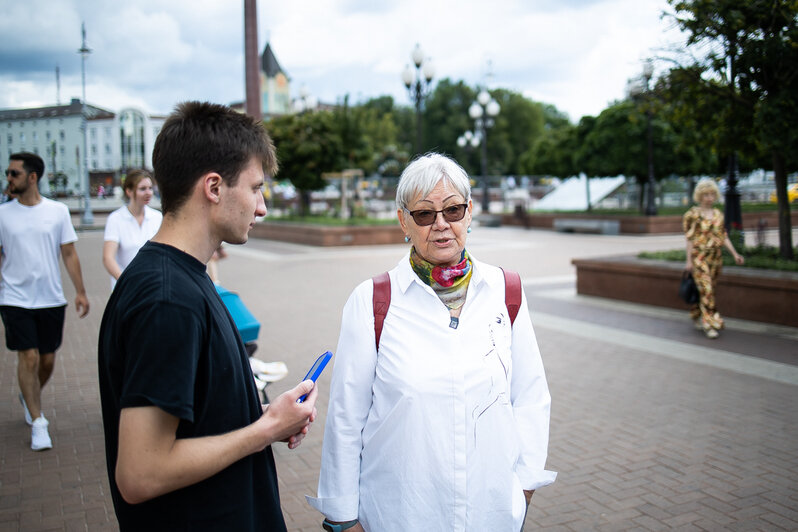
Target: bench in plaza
pixel 585 225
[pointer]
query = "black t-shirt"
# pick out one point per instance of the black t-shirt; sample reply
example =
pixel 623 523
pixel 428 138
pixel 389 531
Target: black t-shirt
pixel 167 340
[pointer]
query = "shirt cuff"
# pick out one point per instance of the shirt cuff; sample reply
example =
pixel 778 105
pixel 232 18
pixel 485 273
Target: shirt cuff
pixel 335 508
pixel 532 480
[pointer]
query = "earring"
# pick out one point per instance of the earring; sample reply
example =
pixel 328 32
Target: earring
pixel 469 229
pixel 407 238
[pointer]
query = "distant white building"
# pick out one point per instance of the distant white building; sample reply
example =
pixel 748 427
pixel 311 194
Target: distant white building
pixel 116 142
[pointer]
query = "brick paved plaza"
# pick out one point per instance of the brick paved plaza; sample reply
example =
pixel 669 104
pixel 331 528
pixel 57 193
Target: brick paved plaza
pixel 654 427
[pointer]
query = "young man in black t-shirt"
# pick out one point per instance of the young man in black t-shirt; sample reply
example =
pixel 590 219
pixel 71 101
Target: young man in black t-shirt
pixel 187 441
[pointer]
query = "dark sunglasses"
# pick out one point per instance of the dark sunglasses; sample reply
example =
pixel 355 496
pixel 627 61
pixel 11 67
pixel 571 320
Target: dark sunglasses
pixel 452 213
pixel 13 173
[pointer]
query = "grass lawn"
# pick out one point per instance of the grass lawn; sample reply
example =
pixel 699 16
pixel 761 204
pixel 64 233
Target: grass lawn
pixel 765 258
pixel 664 211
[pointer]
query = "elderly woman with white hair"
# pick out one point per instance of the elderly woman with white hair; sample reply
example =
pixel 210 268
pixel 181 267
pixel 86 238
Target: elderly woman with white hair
pixel 706 236
pixel 439 408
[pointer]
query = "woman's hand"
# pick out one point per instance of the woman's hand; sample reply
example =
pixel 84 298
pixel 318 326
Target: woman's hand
pixel 739 259
pixel 688 266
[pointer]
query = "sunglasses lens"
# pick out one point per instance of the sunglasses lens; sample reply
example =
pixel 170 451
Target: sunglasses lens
pixel 424 217
pixel 454 213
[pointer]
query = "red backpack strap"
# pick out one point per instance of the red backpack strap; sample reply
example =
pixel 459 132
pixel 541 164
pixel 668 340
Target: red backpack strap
pixel 512 293
pixel 381 301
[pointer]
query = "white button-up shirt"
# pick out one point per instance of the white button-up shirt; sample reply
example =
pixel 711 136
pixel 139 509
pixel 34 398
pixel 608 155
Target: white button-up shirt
pixel 123 228
pixel 444 428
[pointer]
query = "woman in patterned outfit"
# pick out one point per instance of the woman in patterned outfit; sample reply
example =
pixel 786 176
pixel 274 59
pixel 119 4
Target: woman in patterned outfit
pixel 703 227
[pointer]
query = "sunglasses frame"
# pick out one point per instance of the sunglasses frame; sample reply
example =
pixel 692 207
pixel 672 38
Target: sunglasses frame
pixel 435 217
pixel 13 173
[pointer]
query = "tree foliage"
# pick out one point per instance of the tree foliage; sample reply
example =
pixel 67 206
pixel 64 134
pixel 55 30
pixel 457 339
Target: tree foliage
pixel 748 78
pixel 307 144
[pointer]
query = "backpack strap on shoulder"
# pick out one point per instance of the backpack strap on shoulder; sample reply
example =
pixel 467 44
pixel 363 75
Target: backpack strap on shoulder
pixel 381 300
pixel 512 293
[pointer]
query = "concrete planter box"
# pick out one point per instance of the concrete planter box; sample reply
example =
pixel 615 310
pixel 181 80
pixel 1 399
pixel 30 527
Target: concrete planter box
pixel 321 235
pixel 629 225
pixel 759 295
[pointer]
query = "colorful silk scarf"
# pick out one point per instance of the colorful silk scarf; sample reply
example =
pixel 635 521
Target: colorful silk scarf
pixel 449 283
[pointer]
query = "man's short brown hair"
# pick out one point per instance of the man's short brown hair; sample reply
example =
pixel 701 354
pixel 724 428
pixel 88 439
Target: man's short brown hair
pixel 202 137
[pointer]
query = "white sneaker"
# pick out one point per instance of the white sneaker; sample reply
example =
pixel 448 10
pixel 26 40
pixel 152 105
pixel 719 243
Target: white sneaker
pixel 28 419
pixel 39 436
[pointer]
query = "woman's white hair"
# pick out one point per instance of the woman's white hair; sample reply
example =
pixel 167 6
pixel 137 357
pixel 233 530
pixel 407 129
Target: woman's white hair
pixel 704 186
pixel 421 176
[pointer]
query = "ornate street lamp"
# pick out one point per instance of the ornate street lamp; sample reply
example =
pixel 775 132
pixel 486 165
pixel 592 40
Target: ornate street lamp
pixel 636 92
pixel 88 216
pixel 418 85
pixel 469 140
pixel 483 111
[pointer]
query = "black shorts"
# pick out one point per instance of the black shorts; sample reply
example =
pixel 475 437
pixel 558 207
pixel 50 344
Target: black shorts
pixel 40 328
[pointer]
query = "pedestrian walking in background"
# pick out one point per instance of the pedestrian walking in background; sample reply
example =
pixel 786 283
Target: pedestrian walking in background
pixel 706 236
pixel 187 441
pixel 34 232
pixel 440 419
pixel 130 226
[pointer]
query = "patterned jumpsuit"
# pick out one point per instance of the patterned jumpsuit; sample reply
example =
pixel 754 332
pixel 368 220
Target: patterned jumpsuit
pixel 707 237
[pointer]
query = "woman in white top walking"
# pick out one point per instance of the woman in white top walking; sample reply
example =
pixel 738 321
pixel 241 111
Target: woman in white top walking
pixel 131 225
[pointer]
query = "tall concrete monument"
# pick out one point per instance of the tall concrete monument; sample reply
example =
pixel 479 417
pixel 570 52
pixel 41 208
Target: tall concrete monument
pixel 252 66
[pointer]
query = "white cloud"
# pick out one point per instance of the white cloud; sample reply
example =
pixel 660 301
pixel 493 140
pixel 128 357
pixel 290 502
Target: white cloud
pixel 574 54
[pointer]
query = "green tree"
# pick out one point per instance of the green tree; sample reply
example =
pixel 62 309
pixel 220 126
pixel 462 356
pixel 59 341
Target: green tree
pixel 446 118
pixel 518 126
pixel 308 145
pixel 553 118
pixel 749 68
pixel 769 70
pixel 350 124
pixel 552 154
pixel 377 119
pixel 614 143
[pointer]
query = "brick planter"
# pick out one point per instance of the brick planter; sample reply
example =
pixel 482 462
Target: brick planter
pixel 760 295
pixel 321 235
pixel 630 225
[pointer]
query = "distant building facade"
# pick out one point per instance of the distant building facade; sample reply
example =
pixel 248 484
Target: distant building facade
pixel 115 142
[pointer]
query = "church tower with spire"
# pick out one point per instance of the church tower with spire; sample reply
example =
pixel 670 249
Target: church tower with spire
pixel 275 85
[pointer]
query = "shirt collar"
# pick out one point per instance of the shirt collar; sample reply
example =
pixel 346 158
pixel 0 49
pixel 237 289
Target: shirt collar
pixel 147 212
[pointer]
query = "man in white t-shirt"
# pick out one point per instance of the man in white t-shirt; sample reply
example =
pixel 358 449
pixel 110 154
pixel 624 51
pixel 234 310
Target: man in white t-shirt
pixel 33 232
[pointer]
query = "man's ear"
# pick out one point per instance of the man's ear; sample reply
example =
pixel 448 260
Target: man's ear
pixel 211 186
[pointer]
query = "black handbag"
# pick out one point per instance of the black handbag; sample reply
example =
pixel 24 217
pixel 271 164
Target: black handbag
pixel 688 291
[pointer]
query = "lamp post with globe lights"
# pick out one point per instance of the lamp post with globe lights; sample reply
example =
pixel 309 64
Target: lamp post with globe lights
pixel 469 140
pixel 418 84
pixel 483 111
pixel 88 216
pixel 642 91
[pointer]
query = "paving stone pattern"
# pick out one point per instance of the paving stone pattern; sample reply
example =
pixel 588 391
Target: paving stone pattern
pixel 640 441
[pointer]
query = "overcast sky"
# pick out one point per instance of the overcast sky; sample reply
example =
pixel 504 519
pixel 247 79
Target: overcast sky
pixel 151 54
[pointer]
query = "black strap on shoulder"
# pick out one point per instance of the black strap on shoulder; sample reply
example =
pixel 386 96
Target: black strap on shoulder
pixel 381 301
pixel 512 293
